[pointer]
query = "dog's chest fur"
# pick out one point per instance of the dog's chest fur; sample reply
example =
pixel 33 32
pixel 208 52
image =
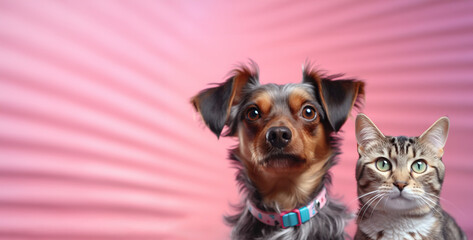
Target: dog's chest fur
pixel 287 145
pixel 329 223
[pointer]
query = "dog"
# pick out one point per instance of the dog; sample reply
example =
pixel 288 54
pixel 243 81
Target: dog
pixel 287 144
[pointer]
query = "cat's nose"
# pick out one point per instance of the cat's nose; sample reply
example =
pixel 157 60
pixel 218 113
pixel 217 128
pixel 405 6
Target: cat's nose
pixel 400 185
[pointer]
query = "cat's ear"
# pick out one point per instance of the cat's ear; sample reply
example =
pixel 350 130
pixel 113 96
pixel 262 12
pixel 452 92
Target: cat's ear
pixel 436 135
pixel 366 132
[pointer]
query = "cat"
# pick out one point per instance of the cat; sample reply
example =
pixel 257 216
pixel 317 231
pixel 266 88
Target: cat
pixel 399 180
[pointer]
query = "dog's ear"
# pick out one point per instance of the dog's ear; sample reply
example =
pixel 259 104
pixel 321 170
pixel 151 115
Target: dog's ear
pixel 214 104
pixel 337 96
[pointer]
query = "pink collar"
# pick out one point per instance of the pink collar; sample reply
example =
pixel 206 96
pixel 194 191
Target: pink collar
pixel 291 218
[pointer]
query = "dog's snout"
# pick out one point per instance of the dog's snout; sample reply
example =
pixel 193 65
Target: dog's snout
pixel 279 137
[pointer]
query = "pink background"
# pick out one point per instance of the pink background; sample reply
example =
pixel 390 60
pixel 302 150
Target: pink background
pixel 98 139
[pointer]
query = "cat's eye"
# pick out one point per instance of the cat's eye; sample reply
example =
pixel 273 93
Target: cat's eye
pixel 383 164
pixel 309 113
pixel 419 166
pixel 252 114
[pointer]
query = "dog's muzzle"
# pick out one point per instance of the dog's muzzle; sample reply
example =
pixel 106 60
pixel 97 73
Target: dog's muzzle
pixel 279 137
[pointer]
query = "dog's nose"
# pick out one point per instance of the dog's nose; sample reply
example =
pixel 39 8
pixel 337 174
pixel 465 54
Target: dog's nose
pixel 279 137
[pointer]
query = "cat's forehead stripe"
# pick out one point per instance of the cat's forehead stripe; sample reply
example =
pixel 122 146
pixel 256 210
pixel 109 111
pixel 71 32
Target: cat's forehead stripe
pixel 402 146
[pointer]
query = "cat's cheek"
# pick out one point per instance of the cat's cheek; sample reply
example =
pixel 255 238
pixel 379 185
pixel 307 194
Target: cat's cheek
pixel 401 204
pixel 409 194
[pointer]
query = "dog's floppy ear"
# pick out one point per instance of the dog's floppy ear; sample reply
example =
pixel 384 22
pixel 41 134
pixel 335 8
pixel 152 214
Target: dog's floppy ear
pixel 337 96
pixel 214 104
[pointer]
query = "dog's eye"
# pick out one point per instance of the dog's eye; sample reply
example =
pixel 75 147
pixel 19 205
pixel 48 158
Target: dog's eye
pixel 252 114
pixel 309 113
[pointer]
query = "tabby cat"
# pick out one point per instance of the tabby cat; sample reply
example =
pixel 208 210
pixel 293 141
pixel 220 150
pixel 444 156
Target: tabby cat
pixel 399 181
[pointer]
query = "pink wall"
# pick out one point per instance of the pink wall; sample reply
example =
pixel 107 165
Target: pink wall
pixel 98 139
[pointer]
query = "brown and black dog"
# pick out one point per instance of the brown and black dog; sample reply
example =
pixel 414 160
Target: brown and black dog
pixel 287 145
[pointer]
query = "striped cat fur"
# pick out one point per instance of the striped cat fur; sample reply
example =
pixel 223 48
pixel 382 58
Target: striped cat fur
pixel 399 180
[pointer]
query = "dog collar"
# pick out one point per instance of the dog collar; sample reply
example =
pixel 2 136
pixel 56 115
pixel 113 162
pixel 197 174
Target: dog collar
pixel 292 218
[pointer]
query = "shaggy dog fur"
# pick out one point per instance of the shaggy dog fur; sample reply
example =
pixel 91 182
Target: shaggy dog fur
pixel 287 144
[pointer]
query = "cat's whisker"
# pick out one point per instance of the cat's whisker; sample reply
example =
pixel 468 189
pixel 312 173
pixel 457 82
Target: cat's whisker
pixel 430 200
pixel 433 195
pixel 440 198
pixel 372 192
pixel 434 204
pixel 444 200
pixel 430 194
pixel 385 202
pixel 368 204
pixel 425 202
pixel 377 204
pixel 370 200
pixel 380 196
pixel 366 194
pixel 431 204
